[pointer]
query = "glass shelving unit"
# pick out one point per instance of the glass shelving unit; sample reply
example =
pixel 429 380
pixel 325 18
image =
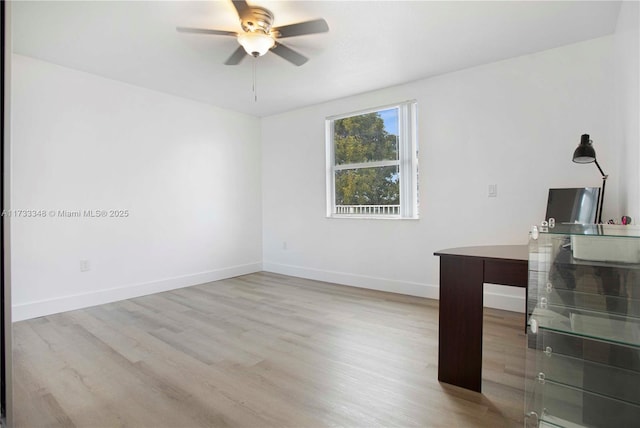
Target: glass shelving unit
pixel 583 332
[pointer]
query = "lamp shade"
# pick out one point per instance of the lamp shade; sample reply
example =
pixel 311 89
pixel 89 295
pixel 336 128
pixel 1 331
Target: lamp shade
pixel 585 153
pixel 256 43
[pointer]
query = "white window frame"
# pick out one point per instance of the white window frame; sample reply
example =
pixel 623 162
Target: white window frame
pixel 407 162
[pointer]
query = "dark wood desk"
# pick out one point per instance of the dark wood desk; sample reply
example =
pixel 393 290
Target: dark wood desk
pixel 463 271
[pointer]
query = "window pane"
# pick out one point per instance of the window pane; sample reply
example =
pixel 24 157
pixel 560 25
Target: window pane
pixel 368 191
pixel 366 137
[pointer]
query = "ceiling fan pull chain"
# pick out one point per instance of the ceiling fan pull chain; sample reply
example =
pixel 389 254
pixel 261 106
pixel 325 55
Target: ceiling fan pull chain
pixel 255 84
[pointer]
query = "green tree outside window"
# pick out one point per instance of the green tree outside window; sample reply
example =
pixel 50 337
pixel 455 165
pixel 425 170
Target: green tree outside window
pixel 358 140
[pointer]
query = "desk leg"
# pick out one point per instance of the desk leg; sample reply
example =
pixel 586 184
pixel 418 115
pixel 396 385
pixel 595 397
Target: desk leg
pixel 460 329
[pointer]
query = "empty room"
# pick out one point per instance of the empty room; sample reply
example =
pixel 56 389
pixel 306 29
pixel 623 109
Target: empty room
pixel 320 214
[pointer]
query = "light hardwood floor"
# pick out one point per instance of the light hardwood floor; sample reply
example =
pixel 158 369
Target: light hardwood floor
pixel 261 350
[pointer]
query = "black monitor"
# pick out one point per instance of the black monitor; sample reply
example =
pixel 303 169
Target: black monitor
pixel 573 205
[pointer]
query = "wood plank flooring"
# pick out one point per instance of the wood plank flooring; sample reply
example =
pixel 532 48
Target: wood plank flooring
pixel 261 350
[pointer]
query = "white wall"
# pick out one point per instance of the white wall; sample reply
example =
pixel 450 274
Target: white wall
pixel 6 335
pixel 202 209
pixel 627 91
pixel 514 123
pixel 188 173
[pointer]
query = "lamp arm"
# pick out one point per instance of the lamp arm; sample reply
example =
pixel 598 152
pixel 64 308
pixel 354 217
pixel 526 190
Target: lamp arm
pixel 604 176
pixel 604 182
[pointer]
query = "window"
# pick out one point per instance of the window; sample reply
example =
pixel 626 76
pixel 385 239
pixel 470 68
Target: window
pixel 372 163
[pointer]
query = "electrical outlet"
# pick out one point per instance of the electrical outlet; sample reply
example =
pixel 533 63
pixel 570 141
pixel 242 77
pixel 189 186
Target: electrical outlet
pixel 85 266
pixel 284 245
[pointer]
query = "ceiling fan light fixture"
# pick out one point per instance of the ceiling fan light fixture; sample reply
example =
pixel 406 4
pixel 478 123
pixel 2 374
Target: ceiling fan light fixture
pixel 258 36
pixel 256 43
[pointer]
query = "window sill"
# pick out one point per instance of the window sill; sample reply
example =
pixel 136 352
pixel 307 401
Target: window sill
pixel 370 217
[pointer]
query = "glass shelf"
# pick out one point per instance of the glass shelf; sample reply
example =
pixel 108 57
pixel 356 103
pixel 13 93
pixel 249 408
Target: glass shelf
pixel 555 422
pixel 564 406
pixel 606 380
pixel 588 324
pixel 583 338
pixel 593 302
pixel 609 230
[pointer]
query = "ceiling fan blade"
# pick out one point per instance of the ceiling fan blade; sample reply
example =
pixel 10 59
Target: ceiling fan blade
pixel 205 31
pixel 289 54
pixel 302 28
pixel 241 7
pixel 237 56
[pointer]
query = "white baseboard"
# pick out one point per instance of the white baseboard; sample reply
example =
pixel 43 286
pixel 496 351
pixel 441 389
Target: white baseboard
pixel 495 296
pixel 499 297
pixel 505 297
pixel 41 308
pixel 355 280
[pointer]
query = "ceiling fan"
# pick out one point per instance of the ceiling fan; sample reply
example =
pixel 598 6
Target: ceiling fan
pixel 259 37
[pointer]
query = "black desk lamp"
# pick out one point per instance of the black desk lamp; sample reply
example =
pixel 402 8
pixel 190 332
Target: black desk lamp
pixel 586 154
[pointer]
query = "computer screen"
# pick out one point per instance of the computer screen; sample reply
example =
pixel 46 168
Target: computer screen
pixel 573 205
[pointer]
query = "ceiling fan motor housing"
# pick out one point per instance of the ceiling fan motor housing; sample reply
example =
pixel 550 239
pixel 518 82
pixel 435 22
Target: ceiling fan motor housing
pixel 257 19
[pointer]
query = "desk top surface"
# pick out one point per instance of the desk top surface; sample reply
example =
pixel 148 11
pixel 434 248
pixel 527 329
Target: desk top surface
pixel 501 252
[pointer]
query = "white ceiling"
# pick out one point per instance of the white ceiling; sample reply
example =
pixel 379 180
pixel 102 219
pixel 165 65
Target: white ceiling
pixel 371 44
